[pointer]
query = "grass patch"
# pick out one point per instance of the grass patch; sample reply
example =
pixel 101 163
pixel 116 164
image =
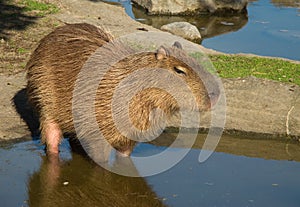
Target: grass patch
pixel 236 66
pixel 21 28
pixel 21 50
pixel 233 66
pixel 40 8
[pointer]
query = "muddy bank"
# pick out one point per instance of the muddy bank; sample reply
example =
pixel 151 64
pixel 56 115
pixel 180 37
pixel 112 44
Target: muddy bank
pixel 254 105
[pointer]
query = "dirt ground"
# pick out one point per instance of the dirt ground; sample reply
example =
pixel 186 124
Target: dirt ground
pixel 20 32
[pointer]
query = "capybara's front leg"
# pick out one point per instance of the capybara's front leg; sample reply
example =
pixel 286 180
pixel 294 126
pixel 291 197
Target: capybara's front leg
pixel 51 136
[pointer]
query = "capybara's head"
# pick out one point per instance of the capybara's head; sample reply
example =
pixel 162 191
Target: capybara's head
pixel 168 80
pixel 201 83
pixel 184 81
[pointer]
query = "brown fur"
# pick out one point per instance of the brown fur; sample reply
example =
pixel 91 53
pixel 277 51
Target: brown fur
pixel 56 63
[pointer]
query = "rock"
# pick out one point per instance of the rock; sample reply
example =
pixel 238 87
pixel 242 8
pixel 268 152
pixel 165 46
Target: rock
pixel 191 6
pixel 183 29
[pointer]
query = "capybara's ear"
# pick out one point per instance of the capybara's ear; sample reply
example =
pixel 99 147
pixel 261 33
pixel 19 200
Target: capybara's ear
pixel 161 53
pixel 177 45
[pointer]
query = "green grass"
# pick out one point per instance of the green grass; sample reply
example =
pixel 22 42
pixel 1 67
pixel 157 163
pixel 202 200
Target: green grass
pixel 39 7
pixel 235 66
pixel 21 50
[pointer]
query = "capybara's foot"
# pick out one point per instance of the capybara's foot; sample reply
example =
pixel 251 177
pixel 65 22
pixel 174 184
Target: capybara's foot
pixel 124 151
pixel 52 135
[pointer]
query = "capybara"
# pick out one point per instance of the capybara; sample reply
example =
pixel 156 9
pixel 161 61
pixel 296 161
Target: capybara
pixel 56 63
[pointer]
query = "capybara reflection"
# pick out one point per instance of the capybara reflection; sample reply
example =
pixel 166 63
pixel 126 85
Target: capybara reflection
pixel 79 182
pixel 56 63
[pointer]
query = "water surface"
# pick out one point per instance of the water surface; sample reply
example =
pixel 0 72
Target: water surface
pixel 238 174
pixel 271 28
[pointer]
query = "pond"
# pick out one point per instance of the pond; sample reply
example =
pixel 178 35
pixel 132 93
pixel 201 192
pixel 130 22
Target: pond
pixel 242 172
pixel 271 28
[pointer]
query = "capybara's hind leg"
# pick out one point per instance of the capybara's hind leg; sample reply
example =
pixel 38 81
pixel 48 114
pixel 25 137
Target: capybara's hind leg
pixel 51 136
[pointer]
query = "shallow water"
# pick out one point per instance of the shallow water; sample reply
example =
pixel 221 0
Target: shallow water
pixel 271 28
pixel 242 172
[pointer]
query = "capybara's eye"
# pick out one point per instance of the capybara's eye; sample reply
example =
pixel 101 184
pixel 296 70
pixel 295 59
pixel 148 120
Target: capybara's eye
pixel 180 70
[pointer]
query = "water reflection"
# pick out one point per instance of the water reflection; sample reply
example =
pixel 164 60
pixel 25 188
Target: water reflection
pixel 224 180
pixel 79 182
pixel 29 178
pixel 208 25
pixel 256 146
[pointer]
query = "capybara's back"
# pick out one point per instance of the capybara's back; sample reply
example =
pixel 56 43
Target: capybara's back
pixel 56 63
pixel 52 71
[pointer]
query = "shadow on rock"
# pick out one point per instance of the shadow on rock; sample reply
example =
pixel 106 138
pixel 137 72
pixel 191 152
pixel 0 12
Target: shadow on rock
pixel 79 182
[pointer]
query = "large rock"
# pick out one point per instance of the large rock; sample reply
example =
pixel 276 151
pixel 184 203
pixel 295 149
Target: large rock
pixel 191 6
pixel 183 29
